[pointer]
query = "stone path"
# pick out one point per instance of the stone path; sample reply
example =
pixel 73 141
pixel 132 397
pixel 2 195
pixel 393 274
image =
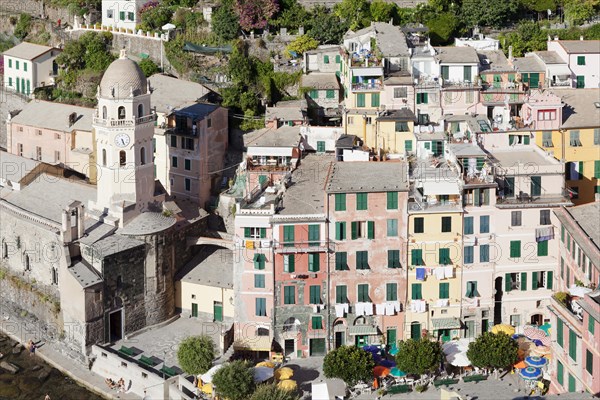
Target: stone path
pixel 52 351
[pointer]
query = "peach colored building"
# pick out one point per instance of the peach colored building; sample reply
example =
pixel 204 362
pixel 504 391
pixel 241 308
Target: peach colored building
pixel 576 313
pixel 54 133
pixel 365 206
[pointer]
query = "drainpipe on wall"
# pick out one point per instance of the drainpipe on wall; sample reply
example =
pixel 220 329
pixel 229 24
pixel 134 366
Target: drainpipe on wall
pixel 327 242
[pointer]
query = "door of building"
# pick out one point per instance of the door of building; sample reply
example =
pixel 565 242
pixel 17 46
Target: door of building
pixel 288 346
pixel 339 339
pixel 415 330
pixel 194 310
pixel 444 334
pixel 218 311
pixel 115 325
pixel 391 337
pixel 317 347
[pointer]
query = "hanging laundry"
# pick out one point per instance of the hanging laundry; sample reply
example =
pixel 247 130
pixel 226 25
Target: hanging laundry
pixel 380 309
pixel 439 273
pixel 368 308
pixel 420 274
pixel 339 310
pixel 448 271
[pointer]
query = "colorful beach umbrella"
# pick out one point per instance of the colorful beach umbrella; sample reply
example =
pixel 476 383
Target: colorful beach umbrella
pixel 505 328
pixel 535 361
pixel 380 371
pixel 533 332
pixel 520 365
pixel 387 363
pixel 530 373
pixel 284 373
pixel 288 384
pixel 394 350
pixel 267 364
pixel 546 328
pixel 397 373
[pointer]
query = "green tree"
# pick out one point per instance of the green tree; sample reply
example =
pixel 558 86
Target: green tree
pixel 493 13
pixel 23 26
pixel 255 14
pixel 355 12
pixel 149 67
pixel 382 11
pixel 240 65
pixel 196 354
pixel 155 18
pixel 272 392
pixel 302 44
pixel 225 23
pixel 493 350
pixel 419 356
pixel 291 16
pixel 90 51
pixel 349 363
pixel 326 27
pixel 442 28
pixel 579 11
pixel 235 381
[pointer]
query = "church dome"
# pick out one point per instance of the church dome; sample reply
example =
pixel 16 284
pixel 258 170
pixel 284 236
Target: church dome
pixel 122 77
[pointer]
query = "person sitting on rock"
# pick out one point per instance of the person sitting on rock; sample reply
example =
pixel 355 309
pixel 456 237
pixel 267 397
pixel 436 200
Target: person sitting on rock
pixel 111 384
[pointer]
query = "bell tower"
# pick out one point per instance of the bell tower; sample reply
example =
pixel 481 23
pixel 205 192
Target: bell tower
pixel 124 128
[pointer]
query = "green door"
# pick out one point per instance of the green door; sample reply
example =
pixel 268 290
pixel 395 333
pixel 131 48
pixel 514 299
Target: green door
pixel 218 311
pixel 580 82
pixel 572 388
pixel 391 337
pixel 262 179
pixel 415 331
pixel 28 87
pixel 444 334
pixel 534 80
pixel 317 347
pixel 484 325
pixel 194 310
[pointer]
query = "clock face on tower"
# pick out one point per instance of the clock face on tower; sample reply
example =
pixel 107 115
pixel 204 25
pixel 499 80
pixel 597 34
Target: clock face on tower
pixel 122 139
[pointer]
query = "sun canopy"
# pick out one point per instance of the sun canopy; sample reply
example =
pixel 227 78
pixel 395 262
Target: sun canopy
pixel 207 377
pixel 456 352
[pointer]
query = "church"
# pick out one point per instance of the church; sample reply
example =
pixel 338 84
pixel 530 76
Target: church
pixel 95 263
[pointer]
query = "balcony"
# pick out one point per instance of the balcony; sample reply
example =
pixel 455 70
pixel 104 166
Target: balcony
pixel 125 123
pixel 525 200
pixel 562 303
pixel 460 85
pixel 366 87
pixel 504 87
pixel 313 246
pixel 559 83
pixel 427 83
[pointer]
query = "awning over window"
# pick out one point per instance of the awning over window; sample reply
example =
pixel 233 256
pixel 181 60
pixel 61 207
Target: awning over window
pixel 559 70
pixel 445 323
pixel 362 330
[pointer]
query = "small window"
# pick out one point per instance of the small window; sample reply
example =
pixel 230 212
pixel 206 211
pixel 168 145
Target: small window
pixel 400 93
pixel 144 375
pixel 123 364
pixel 104 112
pixel 188 184
pixel 173 141
pixel 142 155
pixel 208 123
pixel 104 157
pixel 122 158
pixel 140 110
pixel 174 162
pixel 121 112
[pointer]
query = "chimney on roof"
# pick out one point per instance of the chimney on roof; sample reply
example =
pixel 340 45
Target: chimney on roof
pixel 510 53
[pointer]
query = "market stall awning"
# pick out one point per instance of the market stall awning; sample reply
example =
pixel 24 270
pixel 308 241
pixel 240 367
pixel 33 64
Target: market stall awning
pixel 362 330
pixel 445 323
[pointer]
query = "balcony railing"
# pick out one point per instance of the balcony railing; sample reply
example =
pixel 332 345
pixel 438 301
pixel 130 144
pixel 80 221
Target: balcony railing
pixel 460 84
pixel 124 122
pixel 502 86
pixel 356 87
pixel 312 246
pixel 559 83
pixel 524 199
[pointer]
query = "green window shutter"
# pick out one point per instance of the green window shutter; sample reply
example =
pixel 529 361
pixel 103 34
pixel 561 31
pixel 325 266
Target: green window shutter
pixel 341 261
pixel 374 99
pixel 314 235
pixel 580 81
pixel 362 260
pixel 353 230
pixel 416 257
pixel 246 232
pixel 572 345
pixel 408 145
pixel 288 235
pixel 361 201
pixel 591 324
pixel 562 233
pixel 589 362
pixel 469 254
pixel 262 179
pixel 315 294
pixel 425 98
pixel 261 306
pixel 122 15
pixel 338 59
pixel 360 100
pixel 534 79
pixel 523 280
pixel 393 258
pixel 467 73
pixel 549 280
pixel 391 293
pixel 542 248
pixel 419 225
pixel 559 332
pixel 363 292
pixel 444 290
pixel 560 373
pixel 534 280
pixel 596 169
pixel 596 136
pixel 340 202
pixel 9 63
pixel 515 248
pixel 25 66
pixel 259 281
pixel 484 224
pixel 330 94
pixel 259 261
pixel 392 227
pixel 468 225
pixel 289 263
pixel 526 139
pixel 263 233
pixel 416 291
pixel 326 59
pixel 313 262
pixel 289 295
pixel 317 322
pixel 371 229
pixel 484 253
pixel 446 224
pixel 340 231
pixel 341 294
pixel 320 146
pixel 469 292
pixel 445 72
pixel 392 200
pixel 444 256
pixel 507 283
pixel 536 185
pixel 580 60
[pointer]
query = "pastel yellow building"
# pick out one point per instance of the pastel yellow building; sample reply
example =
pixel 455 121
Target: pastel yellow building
pixel 395 131
pixel 577 142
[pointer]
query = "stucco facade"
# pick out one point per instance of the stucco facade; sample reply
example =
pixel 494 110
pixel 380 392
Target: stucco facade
pixel 28 66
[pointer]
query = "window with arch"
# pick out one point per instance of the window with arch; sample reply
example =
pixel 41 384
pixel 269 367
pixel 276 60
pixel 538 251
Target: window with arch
pixel 122 158
pixel 104 157
pixel 143 156
pixel 262 332
pixel 104 112
pixel 140 110
pixel 121 112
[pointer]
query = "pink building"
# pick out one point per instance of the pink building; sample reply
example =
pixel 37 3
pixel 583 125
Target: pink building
pixel 365 205
pixel 576 308
pixel 54 133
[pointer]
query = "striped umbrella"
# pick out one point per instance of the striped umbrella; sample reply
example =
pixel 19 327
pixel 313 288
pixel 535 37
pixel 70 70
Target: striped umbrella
pixel 533 332
pixel 540 351
pixel 547 341
pixel 530 373
pixel 535 361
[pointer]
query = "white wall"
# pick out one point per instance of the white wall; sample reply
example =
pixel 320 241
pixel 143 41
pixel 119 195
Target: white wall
pixel 314 134
pixel 118 6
